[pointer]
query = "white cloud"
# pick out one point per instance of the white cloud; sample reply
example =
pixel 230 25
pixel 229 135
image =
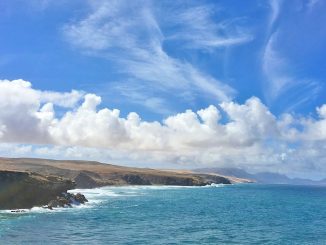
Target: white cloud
pixel 279 78
pixel 18 105
pixel 279 71
pixel 134 41
pixel 139 95
pixel 275 67
pixel 25 110
pixel 68 100
pixel 322 111
pixel 250 137
pixel 275 12
pixel 196 28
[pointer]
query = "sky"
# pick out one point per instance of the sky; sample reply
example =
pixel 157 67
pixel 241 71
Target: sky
pixel 168 84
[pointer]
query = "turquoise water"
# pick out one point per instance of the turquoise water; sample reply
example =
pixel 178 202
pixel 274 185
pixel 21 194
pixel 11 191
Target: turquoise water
pixel 237 214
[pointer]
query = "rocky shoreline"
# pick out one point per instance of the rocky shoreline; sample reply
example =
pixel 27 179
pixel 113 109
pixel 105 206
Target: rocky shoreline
pixel 23 190
pixel 66 200
pixel 26 183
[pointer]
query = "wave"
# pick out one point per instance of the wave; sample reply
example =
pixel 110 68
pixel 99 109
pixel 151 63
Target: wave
pixel 96 196
pixel 217 185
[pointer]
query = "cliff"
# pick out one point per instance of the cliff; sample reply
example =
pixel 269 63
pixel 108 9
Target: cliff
pixel 28 182
pixel 89 174
pixel 20 190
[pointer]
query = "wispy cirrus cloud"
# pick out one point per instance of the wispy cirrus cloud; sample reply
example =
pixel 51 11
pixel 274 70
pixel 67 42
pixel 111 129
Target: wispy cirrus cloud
pixel 279 71
pixel 132 36
pixel 276 69
pixel 275 6
pixel 196 29
pixel 153 102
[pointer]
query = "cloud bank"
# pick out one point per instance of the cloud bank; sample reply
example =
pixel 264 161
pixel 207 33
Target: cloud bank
pixel 228 134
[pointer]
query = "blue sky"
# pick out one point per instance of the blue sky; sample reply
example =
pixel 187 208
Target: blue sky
pixel 270 49
pixel 166 83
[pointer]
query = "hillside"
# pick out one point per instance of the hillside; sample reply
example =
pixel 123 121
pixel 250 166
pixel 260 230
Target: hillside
pixel 89 174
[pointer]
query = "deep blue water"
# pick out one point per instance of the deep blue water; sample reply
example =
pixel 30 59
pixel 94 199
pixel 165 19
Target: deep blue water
pixel 237 214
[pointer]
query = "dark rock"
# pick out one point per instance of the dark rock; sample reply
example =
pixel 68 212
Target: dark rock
pixel 85 180
pixel 23 190
pixel 66 200
pixel 53 204
pixel 63 202
pixel 80 198
pixel 18 211
pixel 59 202
pixel 133 179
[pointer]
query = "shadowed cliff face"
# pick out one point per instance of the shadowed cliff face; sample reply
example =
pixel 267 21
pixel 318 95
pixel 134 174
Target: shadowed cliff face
pixel 20 190
pixel 87 179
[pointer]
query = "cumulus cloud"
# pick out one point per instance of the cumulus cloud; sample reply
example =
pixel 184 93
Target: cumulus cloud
pixel 68 100
pixel 26 113
pixel 249 136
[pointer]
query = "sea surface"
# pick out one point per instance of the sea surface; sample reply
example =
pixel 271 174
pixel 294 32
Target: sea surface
pixel 221 214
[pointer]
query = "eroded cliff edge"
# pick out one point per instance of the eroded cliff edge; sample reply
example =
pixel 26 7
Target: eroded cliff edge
pixel 27 182
pixel 20 190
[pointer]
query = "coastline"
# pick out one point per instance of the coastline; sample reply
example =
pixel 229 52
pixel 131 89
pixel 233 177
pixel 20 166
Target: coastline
pixel 97 195
pixel 26 183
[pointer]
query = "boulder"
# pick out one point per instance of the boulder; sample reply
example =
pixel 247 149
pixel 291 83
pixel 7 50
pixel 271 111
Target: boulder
pixel 66 200
pixel 80 198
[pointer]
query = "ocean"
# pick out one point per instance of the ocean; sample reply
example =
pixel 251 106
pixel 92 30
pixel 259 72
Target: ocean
pixel 221 214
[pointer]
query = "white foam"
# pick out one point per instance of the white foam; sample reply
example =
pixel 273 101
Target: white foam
pixel 32 210
pixel 216 185
pixel 96 196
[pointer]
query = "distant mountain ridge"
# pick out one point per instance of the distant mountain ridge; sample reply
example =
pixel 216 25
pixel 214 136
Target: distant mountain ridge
pixel 262 177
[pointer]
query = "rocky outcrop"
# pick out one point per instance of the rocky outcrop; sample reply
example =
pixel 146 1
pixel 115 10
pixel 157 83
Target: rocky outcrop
pixel 22 190
pixel 67 200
